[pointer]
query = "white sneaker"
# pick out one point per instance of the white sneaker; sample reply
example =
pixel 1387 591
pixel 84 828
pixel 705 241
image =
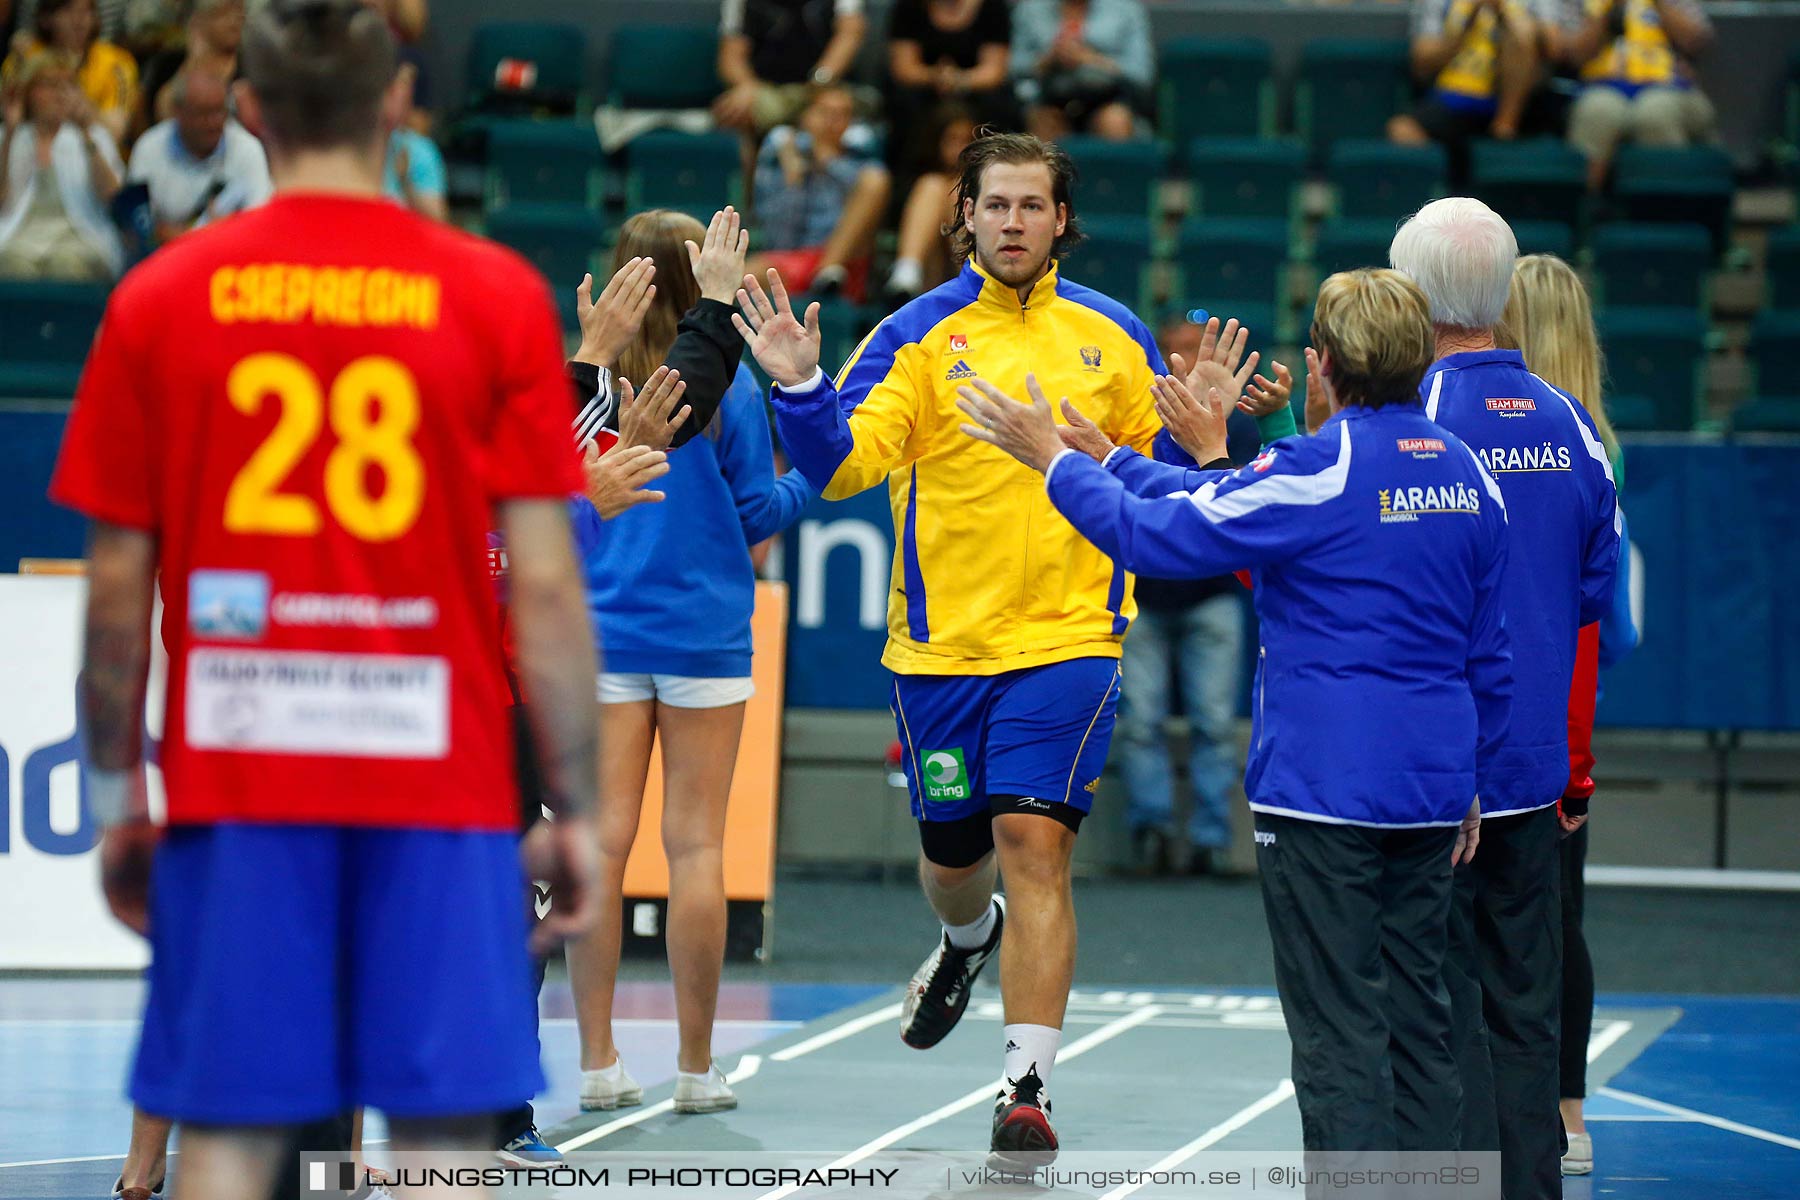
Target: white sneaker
pixel 703 1093
pixel 609 1088
pixel 1579 1159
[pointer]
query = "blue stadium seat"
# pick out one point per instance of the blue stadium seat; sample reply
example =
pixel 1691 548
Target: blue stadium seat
pixel 662 66
pixel 1114 259
pixel 561 240
pixel 1545 237
pixel 45 331
pixel 543 162
pixel 689 172
pixel 1775 351
pixel 1344 245
pixel 1211 87
pixel 1784 268
pixel 1347 90
pixel 1657 353
pixel 1381 179
pixel 1116 179
pixel 1543 179
pixel 1245 177
pixel 1225 264
pixel 1767 414
pixel 1690 184
pixel 553 53
pixel 1648 265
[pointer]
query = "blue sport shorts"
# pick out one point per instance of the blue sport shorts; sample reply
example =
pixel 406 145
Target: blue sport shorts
pixel 1040 733
pixel 300 971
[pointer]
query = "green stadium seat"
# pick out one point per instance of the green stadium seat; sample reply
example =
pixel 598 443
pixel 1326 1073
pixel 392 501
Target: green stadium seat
pixel 1632 414
pixel 684 171
pixel 1647 265
pixel 1226 263
pixel 1344 245
pixel 1542 179
pixel 561 240
pixel 554 54
pixel 1245 177
pixel 45 332
pixel 1116 179
pixel 1381 179
pixel 1113 259
pixel 1767 414
pixel 543 162
pixel 1690 184
pixel 1657 353
pixel 662 66
pixel 1775 351
pixel 1211 87
pixel 1347 90
pixel 1545 237
pixel 1784 268
pixel 839 330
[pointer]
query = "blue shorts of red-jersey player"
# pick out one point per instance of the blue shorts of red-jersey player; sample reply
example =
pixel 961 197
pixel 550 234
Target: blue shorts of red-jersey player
pixel 300 971
pixel 1032 740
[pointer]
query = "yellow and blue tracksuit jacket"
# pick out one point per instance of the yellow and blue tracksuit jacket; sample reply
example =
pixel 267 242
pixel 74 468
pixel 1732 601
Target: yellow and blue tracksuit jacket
pixel 1469 80
pixel 987 576
pixel 1642 58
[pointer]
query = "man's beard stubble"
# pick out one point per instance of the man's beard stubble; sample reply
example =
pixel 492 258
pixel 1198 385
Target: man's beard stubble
pixel 1016 276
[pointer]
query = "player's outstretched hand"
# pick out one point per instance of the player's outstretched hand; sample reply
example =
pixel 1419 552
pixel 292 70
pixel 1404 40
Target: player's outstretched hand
pixel 609 324
pixel 652 418
pixel 786 349
pixel 1468 835
pixel 1025 431
pixel 719 261
pixel 562 853
pixel 616 479
pixel 1265 396
pixel 1083 435
pixel 1321 399
pixel 1220 362
pixel 126 853
pixel 1197 425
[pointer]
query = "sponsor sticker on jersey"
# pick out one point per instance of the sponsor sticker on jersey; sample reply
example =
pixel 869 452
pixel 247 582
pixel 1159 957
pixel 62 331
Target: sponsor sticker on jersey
pixel 333 610
pixel 945 776
pixel 961 370
pixel 958 343
pixel 1263 461
pixel 228 604
pixel 300 702
pixel 1421 447
pixel 1511 406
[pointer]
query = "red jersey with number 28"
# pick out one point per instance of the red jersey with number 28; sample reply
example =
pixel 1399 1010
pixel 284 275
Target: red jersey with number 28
pixel 314 407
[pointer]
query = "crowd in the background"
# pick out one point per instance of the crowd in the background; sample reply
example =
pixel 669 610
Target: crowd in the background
pixel 120 131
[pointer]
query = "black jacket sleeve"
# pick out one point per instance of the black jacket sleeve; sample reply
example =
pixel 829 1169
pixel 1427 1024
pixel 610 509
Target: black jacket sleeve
pixel 706 351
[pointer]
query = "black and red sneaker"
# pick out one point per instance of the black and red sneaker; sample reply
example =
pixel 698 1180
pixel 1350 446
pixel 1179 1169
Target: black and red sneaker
pixel 1023 1137
pixel 939 990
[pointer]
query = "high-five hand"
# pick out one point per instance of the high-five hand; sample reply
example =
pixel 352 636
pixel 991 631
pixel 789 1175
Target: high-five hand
pixel 1025 431
pixel 1083 435
pixel 1265 396
pixel 1321 398
pixel 1196 424
pixel 719 262
pixel 609 324
pixel 1217 363
pixel 786 350
pixel 651 419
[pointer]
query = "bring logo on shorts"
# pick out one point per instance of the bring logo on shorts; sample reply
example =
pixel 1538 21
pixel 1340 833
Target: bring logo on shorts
pixel 944 775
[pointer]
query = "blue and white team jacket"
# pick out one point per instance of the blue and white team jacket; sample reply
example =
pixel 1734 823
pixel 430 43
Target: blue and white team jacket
pixel 1378 546
pixel 1563 548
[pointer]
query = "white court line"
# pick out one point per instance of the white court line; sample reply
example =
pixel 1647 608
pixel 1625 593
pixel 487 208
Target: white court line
pixel 1628 1118
pixel 1219 1132
pixel 57 1162
pixel 1675 1110
pixel 986 1091
pixel 1607 1038
pixel 747 1066
pixel 836 1033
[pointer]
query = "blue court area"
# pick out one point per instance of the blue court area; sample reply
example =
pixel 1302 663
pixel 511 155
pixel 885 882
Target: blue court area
pixel 1694 1096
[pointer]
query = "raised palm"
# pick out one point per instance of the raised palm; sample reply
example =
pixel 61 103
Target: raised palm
pixel 785 348
pixel 1217 363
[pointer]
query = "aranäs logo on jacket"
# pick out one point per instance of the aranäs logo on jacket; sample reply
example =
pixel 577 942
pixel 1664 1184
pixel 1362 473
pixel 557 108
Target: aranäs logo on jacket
pixel 1406 503
pixel 1500 460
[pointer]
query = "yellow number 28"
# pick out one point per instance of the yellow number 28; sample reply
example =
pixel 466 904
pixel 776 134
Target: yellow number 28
pixel 255 503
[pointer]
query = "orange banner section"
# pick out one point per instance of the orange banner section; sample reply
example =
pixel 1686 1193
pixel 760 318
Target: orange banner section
pixel 750 819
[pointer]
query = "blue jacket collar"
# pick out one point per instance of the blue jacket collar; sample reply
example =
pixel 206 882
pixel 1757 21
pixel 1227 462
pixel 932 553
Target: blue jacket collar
pixel 1477 358
pixel 1357 412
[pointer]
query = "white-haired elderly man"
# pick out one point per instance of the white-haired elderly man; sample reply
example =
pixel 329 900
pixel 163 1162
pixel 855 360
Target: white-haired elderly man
pixel 1563 548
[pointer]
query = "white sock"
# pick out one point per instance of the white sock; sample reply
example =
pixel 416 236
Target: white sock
pixel 610 1074
pixel 908 275
pixel 975 934
pixel 1031 1047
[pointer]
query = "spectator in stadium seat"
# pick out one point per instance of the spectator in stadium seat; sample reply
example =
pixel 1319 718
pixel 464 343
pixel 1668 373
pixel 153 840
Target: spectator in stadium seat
pixel 107 74
pixel 59 170
pixel 1634 59
pixel 672 590
pixel 407 20
pixel 1477 62
pixel 414 175
pixel 1083 66
pixel 212 35
pixel 819 206
pixel 943 52
pixel 924 257
pixel 771 50
pixel 200 164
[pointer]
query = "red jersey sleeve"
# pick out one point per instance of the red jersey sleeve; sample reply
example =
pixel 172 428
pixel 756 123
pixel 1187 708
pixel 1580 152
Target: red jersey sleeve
pixel 1584 689
pixel 531 451
pixel 104 469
